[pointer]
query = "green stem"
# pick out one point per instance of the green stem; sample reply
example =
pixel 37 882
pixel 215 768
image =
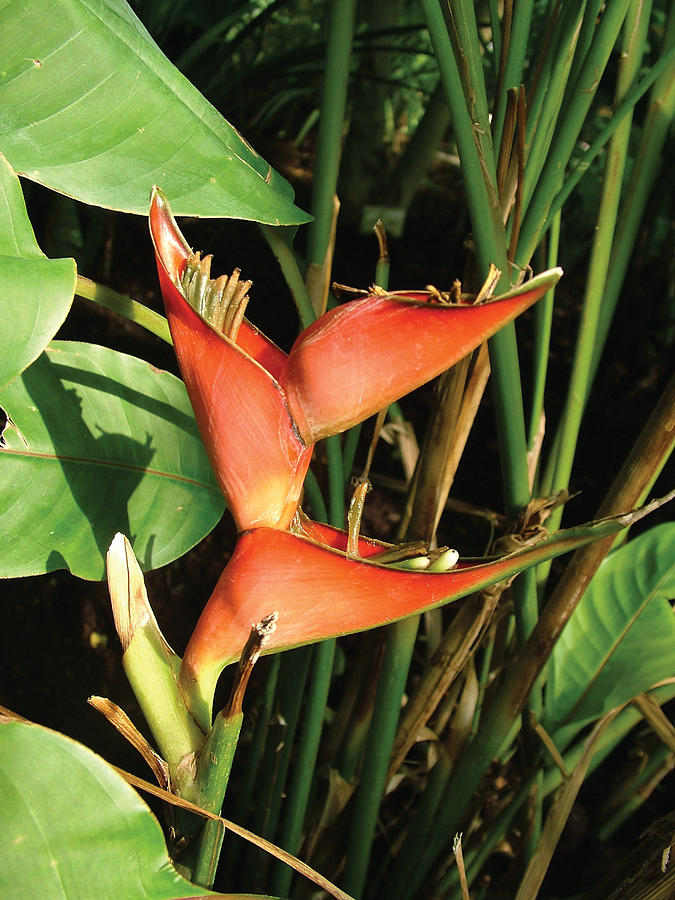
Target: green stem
pixel 349 452
pixel 633 44
pixel 213 775
pixel 293 676
pixel 594 11
pixel 291 272
pixel 463 31
pixel 331 123
pixel 393 676
pixel 569 127
pixel 484 677
pixel 253 756
pixel 549 94
pixel 315 497
pixel 543 319
pixel 303 771
pixel 645 171
pixel 152 677
pixel 515 61
pixel 399 877
pixel 479 172
pixel 336 481
pixel 124 306
pixel 659 69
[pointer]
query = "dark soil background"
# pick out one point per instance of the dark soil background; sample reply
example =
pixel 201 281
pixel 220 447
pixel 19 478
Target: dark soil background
pixel 57 641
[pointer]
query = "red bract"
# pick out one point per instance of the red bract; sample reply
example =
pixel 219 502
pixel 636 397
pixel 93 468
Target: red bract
pixel 260 411
pixel 319 592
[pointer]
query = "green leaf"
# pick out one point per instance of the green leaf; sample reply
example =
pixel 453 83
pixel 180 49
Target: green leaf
pixel 72 828
pixel 36 291
pixel 620 641
pixel 100 442
pixel 91 107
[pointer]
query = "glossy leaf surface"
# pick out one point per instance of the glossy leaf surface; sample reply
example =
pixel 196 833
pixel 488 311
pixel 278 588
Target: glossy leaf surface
pixel 92 108
pixel 36 291
pixel 71 826
pixel 102 442
pixel 620 641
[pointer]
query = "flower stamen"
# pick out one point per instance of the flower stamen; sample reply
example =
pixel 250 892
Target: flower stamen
pixel 219 301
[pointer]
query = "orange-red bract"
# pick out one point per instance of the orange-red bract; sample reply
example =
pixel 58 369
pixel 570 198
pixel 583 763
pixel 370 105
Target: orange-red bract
pixel 319 592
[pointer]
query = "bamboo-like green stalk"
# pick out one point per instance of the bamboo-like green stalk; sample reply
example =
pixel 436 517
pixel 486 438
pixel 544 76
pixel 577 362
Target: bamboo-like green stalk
pixel 308 747
pixel 336 482
pixel 124 306
pixel 594 11
pixel 213 775
pixel 645 170
pixel 398 883
pixel 659 110
pixel 549 94
pixel 635 31
pixel 484 676
pixel 349 449
pixel 515 61
pixel 393 676
pixel 331 123
pixel 647 457
pixel 479 173
pixel 543 320
pixel 292 678
pixel 291 272
pixel 315 497
pixel 248 784
pixel 581 96
pixel 463 31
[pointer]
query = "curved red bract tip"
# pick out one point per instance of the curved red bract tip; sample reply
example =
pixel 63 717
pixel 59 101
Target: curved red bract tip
pixel 360 357
pixel 258 457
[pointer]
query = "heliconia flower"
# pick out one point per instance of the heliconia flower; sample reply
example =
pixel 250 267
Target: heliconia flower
pixel 319 592
pixel 260 411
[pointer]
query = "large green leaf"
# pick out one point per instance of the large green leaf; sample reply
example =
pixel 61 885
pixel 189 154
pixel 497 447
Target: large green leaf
pixel 100 442
pixel 620 641
pixel 92 108
pixel 36 291
pixel 72 829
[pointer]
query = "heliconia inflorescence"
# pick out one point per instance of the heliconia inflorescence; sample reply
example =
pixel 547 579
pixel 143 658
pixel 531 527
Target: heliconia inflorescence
pixel 260 412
